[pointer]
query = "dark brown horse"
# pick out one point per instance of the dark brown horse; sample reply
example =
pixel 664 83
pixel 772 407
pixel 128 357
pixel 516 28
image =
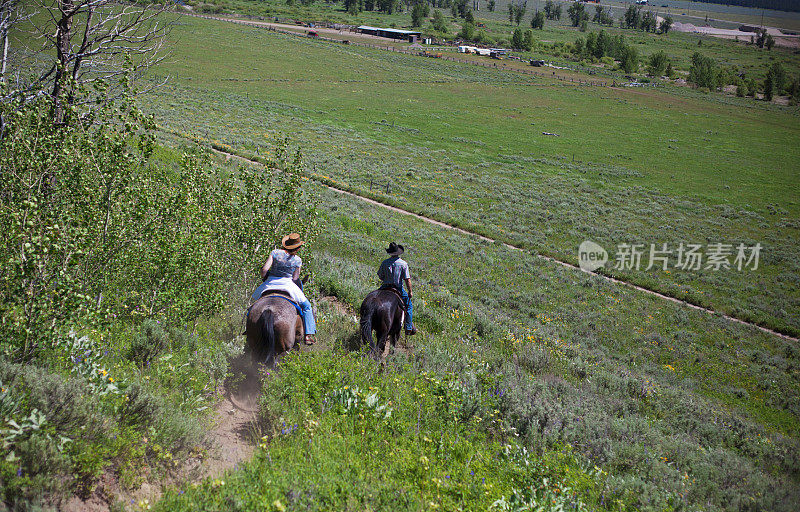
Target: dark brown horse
pixel 382 311
pixel 273 327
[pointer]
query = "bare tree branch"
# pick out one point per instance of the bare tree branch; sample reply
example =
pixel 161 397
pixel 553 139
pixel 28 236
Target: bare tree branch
pixel 83 41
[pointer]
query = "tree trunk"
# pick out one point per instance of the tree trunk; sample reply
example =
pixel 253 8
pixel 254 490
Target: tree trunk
pixel 5 55
pixel 63 50
pixel 4 30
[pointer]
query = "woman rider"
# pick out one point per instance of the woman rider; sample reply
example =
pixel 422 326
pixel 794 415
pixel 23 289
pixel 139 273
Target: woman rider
pixel 282 272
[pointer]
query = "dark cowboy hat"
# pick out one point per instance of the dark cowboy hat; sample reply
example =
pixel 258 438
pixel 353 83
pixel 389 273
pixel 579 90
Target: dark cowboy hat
pixel 291 241
pixel 395 249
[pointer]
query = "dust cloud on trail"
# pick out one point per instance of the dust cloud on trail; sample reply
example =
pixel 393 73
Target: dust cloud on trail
pixel 237 430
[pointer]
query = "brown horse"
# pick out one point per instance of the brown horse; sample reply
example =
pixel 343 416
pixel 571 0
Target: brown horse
pixel 382 311
pixel 273 327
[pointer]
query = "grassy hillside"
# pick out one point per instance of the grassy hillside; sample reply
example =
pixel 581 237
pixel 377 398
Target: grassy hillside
pixel 531 385
pixel 516 356
pixel 466 145
pixel 675 407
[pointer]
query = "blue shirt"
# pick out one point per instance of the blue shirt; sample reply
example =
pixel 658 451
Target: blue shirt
pixel 393 271
pixel 284 264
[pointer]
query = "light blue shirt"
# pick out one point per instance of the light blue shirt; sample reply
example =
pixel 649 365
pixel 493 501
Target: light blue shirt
pixel 284 264
pixel 393 271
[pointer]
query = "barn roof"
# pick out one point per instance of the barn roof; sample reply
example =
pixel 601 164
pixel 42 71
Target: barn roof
pixel 391 30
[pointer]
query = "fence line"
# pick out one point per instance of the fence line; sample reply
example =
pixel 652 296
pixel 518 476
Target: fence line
pixel 564 79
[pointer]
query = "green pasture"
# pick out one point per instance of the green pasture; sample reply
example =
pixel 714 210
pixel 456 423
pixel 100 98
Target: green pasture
pixel 627 401
pixel 465 145
pixel 527 296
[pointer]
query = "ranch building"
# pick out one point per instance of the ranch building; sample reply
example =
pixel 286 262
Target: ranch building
pixel 391 33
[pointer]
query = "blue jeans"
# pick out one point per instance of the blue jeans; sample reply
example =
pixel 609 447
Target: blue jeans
pixel 409 307
pixel 307 314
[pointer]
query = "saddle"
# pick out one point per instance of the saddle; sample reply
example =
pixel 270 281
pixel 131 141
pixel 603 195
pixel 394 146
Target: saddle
pixel 396 291
pixel 280 294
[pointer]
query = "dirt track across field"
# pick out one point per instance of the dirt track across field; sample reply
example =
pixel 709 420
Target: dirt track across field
pixel 781 39
pixel 510 246
pixel 337 34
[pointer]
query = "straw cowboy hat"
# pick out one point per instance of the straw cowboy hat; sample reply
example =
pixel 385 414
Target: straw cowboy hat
pixel 291 241
pixel 395 249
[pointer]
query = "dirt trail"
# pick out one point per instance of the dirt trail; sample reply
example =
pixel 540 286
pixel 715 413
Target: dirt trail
pixel 232 440
pixel 236 431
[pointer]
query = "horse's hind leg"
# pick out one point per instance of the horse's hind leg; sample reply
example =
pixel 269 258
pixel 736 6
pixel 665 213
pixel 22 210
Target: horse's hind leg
pixel 397 328
pixel 372 344
pixel 378 352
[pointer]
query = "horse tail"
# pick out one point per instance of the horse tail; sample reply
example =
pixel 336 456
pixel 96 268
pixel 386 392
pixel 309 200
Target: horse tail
pixel 366 326
pixel 267 322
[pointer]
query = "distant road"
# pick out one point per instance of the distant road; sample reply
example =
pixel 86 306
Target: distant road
pixel 781 39
pixel 681 10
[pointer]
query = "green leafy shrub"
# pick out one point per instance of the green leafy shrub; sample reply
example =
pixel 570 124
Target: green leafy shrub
pixel 102 231
pixel 38 446
pixel 703 72
pixel 149 342
pixel 110 236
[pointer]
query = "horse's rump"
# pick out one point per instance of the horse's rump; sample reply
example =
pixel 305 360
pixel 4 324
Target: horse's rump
pixel 382 311
pixel 273 327
pixel 396 291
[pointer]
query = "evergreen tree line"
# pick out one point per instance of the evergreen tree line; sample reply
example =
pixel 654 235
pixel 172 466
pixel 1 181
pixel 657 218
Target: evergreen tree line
pixel 704 73
pixel 599 45
pixel 384 6
pixel 420 9
pixel 635 18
